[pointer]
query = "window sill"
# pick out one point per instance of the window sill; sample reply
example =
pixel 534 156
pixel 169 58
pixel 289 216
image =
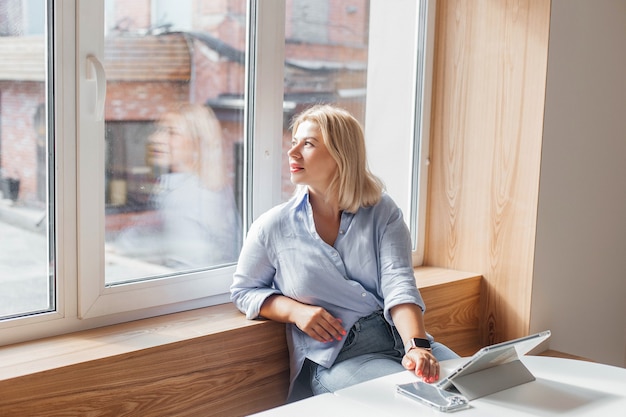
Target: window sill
pixel 215 349
pixel 90 345
pixel 209 361
pixel 65 350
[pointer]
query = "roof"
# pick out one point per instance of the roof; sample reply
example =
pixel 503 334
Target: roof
pixel 23 58
pixel 163 57
pixel 126 58
pixel 147 58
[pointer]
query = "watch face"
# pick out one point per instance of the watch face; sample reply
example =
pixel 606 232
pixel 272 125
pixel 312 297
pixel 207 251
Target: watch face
pixel 422 343
pixel 417 343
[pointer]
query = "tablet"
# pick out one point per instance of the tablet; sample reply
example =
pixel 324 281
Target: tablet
pixel 494 355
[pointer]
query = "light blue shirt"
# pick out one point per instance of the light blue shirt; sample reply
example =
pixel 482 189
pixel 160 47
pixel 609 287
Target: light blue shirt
pixel 369 268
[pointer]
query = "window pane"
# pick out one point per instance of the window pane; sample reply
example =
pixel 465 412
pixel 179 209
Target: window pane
pixel 26 275
pixel 326 51
pixel 174 134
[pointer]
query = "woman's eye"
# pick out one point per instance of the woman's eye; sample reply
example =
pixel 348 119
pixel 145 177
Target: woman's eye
pixel 294 143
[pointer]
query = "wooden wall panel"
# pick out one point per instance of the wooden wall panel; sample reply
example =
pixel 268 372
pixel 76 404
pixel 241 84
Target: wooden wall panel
pixel 487 121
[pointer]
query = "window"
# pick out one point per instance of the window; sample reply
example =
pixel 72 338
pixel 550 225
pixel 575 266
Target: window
pixel 27 254
pixel 113 112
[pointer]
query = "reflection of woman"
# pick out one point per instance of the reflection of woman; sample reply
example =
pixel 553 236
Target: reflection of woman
pixel 199 224
pixel 334 263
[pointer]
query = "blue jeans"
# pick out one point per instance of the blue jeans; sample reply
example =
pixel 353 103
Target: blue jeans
pixel 373 348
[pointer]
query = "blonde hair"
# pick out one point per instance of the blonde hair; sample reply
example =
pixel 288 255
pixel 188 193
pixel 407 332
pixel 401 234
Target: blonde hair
pixel 206 133
pixel 353 183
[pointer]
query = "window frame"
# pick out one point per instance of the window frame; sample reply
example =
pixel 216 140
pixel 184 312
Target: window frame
pixel 82 302
pixel 384 138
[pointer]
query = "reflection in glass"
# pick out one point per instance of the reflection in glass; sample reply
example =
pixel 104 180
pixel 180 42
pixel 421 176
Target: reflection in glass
pixel 194 222
pixel 26 235
pixel 173 137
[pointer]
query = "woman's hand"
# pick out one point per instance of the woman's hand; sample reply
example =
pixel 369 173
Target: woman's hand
pixel 315 321
pixel 409 321
pixel 318 323
pixel 423 363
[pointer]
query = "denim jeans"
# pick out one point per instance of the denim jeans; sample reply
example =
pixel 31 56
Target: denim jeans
pixel 372 349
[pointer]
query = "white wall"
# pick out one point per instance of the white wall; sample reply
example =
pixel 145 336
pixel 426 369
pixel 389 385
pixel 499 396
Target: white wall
pixel 579 286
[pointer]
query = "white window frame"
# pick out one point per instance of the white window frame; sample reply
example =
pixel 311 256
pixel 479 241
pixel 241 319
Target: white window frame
pixel 397 122
pixel 82 299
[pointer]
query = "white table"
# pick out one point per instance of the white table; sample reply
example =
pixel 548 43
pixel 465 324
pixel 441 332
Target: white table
pixel 324 405
pixel 563 387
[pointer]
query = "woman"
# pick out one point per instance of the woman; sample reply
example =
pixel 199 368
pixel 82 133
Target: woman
pixel 334 263
pixel 198 219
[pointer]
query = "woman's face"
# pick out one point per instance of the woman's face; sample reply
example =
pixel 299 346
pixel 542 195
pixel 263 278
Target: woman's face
pixel 171 146
pixel 310 163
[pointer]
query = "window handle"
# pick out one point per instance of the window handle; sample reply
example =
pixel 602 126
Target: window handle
pixel 95 72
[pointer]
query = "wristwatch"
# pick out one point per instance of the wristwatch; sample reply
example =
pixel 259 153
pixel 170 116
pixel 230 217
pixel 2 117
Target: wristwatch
pixel 416 342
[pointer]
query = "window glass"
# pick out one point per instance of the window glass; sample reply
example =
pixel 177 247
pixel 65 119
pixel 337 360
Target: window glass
pixel 326 53
pixel 26 244
pixel 173 137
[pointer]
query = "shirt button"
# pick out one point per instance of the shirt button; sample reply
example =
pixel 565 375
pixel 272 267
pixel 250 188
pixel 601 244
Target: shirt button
pixel 341 232
pixel 363 294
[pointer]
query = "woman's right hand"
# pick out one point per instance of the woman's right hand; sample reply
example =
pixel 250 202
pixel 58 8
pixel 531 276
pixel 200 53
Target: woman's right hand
pixel 318 323
pixel 315 321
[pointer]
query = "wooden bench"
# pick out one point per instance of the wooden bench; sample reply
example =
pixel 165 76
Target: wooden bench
pixel 210 361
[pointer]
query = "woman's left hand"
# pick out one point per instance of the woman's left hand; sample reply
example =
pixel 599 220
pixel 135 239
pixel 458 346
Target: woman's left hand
pixel 423 363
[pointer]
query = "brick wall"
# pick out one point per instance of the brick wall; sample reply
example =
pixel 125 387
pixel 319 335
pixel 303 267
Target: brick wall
pixel 142 101
pixel 18 134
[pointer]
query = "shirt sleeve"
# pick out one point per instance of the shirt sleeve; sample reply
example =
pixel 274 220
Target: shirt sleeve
pixel 396 265
pixel 254 276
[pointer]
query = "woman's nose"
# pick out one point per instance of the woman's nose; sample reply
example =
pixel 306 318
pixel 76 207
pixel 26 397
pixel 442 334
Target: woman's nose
pixel 158 137
pixel 294 151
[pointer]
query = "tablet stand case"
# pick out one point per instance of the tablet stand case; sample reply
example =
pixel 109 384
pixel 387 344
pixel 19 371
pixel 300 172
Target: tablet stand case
pixel 494 379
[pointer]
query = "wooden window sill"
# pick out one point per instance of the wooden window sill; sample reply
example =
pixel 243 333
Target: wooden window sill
pixel 213 350
pixel 89 345
pixel 59 351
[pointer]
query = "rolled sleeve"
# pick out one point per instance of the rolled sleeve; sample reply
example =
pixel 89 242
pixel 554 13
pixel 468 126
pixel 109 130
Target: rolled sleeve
pixel 253 278
pixel 396 267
